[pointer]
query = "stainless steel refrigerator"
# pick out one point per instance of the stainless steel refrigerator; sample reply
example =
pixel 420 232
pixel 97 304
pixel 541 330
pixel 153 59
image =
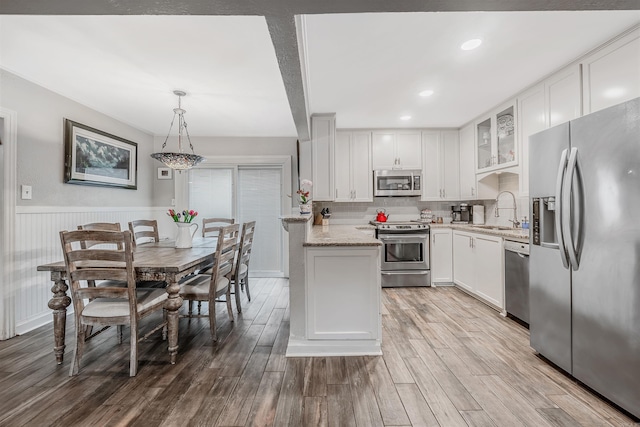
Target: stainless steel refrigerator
pixel 585 251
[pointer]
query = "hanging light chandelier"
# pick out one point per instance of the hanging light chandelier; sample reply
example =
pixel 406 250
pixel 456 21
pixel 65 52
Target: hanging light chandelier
pixel 178 161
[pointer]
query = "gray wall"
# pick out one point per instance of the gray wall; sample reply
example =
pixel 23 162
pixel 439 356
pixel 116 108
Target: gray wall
pixel 41 148
pixel 227 146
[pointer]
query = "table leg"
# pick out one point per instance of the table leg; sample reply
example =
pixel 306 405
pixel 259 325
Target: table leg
pixel 59 304
pixel 173 304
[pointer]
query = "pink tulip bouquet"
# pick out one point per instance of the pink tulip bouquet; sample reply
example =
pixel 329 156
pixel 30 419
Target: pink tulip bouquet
pixel 185 216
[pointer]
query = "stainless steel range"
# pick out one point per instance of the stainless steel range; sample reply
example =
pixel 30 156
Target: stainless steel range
pixel 405 253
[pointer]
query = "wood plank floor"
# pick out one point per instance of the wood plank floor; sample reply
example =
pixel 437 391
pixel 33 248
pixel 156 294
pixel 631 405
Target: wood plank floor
pixel 448 360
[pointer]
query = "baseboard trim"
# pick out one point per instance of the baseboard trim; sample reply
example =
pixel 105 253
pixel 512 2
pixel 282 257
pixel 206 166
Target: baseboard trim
pixel 34 323
pixel 324 348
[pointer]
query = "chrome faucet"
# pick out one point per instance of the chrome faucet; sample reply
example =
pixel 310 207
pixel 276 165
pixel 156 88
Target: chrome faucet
pixel 515 221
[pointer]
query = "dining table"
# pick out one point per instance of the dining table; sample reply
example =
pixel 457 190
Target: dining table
pixel 152 262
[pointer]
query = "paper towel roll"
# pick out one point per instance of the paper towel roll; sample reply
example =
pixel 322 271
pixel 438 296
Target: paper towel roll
pixel 478 214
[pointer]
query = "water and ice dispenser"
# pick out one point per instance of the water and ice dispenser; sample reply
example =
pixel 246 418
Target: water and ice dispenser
pixel 543 223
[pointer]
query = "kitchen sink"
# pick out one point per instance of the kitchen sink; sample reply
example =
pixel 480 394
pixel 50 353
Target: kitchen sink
pixel 493 227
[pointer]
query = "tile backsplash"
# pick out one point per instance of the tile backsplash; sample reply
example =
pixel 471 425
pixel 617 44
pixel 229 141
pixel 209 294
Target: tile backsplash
pixel 408 208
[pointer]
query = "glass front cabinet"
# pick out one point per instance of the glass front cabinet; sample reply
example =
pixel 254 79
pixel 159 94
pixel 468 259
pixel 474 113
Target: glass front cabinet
pixel 496 146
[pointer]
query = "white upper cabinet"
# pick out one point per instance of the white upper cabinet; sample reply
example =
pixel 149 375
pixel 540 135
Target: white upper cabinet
pixel 562 96
pixel 531 119
pixel 467 164
pixel 397 150
pixel 440 167
pixel 323 134
pixel 353 170
pixel 496 146
pixel 611 74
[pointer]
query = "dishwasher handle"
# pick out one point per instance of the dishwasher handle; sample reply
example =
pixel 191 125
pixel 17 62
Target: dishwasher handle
pixel 517 247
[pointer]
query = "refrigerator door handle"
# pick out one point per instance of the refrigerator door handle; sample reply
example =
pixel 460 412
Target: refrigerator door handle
pixel 560 209
pixel 572 165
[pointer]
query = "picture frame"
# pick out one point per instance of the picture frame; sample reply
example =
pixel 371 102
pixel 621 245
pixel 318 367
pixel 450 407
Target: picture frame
pixel 94 157
pixel 165 173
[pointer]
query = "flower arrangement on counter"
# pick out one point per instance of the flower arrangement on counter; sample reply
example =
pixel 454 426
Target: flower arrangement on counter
pixel 305 191
pixel 185 216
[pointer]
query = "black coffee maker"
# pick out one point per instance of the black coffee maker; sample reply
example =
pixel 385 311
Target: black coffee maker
pixel 461 214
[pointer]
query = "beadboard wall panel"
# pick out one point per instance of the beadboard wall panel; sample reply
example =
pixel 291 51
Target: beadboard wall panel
pixel 38 242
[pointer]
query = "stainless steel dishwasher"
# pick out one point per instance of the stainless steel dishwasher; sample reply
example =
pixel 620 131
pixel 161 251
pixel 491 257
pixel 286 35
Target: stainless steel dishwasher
pixel 516 279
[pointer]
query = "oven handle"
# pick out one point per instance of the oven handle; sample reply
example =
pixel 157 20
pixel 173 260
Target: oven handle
pixel 404 237
pixel 411 272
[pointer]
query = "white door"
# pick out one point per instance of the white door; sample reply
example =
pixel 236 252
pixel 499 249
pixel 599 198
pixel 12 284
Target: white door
pixel 342 179
pixel 259 192
pixel 467 164
pixel 441 256
pixel 251 193
pixel 409 150
pixel 384 150
pixel 450 164
pixel 361 169
pixel 463 261
pixel 431 188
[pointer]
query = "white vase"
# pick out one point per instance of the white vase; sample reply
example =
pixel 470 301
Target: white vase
pixel 184 237
pixel 305 208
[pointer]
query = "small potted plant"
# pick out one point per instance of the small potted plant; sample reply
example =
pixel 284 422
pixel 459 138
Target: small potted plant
pixel 304 194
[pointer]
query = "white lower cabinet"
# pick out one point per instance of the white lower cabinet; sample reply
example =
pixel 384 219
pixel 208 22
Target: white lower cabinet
pixel 478 265
pixel 343 293
pixel 441 252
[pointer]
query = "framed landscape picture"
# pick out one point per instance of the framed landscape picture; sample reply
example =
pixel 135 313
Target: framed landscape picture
pixel 93 157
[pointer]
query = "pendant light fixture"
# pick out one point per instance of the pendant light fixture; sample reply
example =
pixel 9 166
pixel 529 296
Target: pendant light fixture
pixel 178 161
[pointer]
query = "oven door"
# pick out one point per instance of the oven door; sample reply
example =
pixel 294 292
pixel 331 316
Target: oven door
pixel 404 251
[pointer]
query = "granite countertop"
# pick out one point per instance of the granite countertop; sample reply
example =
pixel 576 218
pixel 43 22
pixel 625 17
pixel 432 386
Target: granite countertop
pixel 516 234
pixel 341 235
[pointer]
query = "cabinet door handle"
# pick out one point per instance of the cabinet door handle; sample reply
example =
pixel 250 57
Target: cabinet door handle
pixel 336 193
pixel 354 194
pixel 444 193
pixel 472 190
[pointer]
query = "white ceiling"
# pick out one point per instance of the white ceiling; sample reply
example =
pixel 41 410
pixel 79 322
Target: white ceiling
pixel 368 68
pixel 128 66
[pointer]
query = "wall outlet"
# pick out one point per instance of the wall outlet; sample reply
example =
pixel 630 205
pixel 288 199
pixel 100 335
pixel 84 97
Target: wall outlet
pixel 26 192
pixel 173 202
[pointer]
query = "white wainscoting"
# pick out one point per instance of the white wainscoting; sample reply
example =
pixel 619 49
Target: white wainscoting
pixel 38 242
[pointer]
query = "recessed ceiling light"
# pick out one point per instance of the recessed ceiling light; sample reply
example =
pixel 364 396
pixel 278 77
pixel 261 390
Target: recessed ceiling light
pixel 405 118
pixel 427 92
pixel 471 44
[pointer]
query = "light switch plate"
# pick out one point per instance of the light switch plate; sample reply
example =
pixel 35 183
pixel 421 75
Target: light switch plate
pixel 26 192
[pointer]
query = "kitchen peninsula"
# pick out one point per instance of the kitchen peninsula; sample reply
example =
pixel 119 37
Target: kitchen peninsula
pixel 334 289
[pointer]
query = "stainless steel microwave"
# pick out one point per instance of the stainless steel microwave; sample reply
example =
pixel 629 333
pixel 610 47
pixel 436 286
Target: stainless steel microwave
pixel 407 182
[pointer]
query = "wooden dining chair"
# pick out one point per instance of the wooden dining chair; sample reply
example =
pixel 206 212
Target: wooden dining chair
pixel 104 226
pixel 240 277
pixel 144 231
pixel 107 305
pixel 209 287
pixel 211 226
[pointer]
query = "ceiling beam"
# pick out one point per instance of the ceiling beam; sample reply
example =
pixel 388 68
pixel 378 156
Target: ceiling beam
pixel 285 42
